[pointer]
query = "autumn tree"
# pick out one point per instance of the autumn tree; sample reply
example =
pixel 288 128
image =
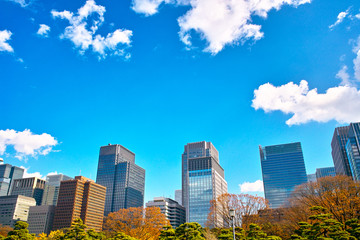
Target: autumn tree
pixel 140 223
pixel 4 230
pixel 246 209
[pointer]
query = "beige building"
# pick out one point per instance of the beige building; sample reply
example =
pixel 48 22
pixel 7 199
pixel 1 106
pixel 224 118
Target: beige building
pixel 80 198
pixel 41 219
pixel 14 208
pixel 30 187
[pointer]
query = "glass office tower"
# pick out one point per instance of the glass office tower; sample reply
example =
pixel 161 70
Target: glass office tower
pixel 123 179
pixel 325 172
pixel 353 150
pixel 338 151
pixel 202 180
pixel 8 173
pixel 283 169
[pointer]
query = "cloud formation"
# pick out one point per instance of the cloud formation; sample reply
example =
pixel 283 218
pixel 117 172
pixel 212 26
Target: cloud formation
pixel 26 143
pixel 30 175
pixel 22 3
pixel 219 22
pixel 43 30
pixel 84 37
pixel 5 36
pixel 248 187
pixel 337 103
pixel 340 18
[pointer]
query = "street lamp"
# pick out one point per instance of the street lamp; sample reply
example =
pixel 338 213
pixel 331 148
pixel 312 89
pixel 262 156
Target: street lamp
pixel 232 215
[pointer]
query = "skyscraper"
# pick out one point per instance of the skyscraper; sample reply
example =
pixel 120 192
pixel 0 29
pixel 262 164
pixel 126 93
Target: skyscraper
pixel 283 169
pixel 123 179
pixel 7 174
pixel 338 151
pixel 178 196
pixel 80 198
pixel 353 150
pixel 202 180
pixel 30 187
pixel 51 190
pixel 325 172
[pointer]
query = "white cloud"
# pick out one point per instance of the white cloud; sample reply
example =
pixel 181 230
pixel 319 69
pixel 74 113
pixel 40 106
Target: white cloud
pixel 248 187
pixel 219 22
pixel 30 175
pixel 5 36
pixel 357 16
pixel 344 76
pixel 84 37
pixel 26 143
pixel 23 3
pixel 43 30
pixel 356 61
pixel 337 103
pixel 340 18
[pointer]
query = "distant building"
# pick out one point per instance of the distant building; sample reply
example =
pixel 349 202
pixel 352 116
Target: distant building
pixel 283 168
pixel 41 219
pixel 353 150
pixel 80 198
pixel 15 208
pixel 51 190
pixel 325 172
pixel 123 179
pixel 30 187
pixel 178 196
pixel 202 180
pixel 311 177
pixel 7 174
pixel 338 151
pixel 173 211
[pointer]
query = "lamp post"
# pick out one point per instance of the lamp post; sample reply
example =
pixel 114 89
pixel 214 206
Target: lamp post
pixel 232 215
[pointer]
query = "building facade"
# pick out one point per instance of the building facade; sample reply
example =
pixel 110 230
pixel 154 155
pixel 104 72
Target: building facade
pixel 173 211
pixel 311 177
pixel 338 151
pixel 7 174
pixel 325 172
pixel 30 187
pixel 15 208
pixel 41 219
pixel 80 198
pixel 52 187
pixel 202 180
pixel 283 168
pixel 178 196
pixel 123 179
pixel 353 150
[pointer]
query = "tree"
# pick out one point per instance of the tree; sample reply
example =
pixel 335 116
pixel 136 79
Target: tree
pixel 141 223
pixel 20 231
pixel 255 233
pixel 246 209
pixel 4 230
pixel 190 231
pixel 121 236
pixel 167 233
pixel 56 235
pixel 77 230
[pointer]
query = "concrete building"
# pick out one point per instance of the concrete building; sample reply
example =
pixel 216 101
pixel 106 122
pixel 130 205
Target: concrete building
pixel 311 177
pixel 203 180
pixel 283 168
pixel 123 179
pixel 7 174
pixel 80 198
pixel 41 219
pixel 30 187
pixel 325 172
pixel 173 211
pixel 51 190
pixel 178 196
pixel 15 208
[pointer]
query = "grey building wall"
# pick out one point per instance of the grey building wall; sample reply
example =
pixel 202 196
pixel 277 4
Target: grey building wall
pixel 41 219
pixel 173 211
pixel 178 196
pixel 30 187
pixel 52 187
pixel 311 177
pixel 325 172
pixel 7 174
pixel 283 168
pixel 15 208
pixel 123 179
pixel 338 151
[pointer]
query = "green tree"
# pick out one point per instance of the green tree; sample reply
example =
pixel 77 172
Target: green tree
pixel 94 235
pixel 20 232
pixel 255 233
pixel 227 234
pixel 77 231
pixel 121 236
pixel 167 233
pixel 353 227
pixel 189 231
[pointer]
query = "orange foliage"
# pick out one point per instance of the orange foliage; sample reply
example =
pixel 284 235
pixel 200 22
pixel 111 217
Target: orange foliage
pixel 246 209
pixel 140 223
pixel 4 230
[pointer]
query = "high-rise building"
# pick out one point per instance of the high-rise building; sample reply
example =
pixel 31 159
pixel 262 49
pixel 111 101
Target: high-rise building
pixel 30 187
pixel 311 177
pixel 123 179
pixel 173 211
pixel 15 208
pixel 202 180
pixel 353 150
pixel 41 219
pixel 80 198
pixel 7 174
pixel 51 190
pixel 338 151
pixel 178 196
pixel 325 172
pixel 283 169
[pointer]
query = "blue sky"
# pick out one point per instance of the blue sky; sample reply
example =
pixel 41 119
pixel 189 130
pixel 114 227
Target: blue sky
pixel 153 75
